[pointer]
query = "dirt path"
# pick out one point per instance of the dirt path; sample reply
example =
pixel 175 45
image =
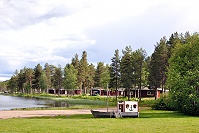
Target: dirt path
pixel 39 113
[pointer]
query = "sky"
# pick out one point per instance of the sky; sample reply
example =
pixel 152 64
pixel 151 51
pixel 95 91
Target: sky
pixel 52 31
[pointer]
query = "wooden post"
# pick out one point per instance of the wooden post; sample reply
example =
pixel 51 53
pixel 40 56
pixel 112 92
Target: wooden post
pixel 107 93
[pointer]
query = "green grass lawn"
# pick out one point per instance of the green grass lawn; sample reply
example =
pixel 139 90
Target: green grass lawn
pixel 150 121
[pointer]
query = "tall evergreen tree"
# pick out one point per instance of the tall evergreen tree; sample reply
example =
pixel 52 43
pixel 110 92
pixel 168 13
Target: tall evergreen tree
pixel 12 84
pixel 48 75
pixel 58 79
pixel 52 69
pixel 163 62
pixel 145 70
pixel 136 72
pixel 75 61
pixel 43 82
pixel 37 76
pixel 138 58
pixel 29 75
pixel 173 41
pixel 126 70
pixel 105 76
pixel 158 66
pixel 91 75
pixel 70 78
pixel 115 75
pixel 98 74
pixel 21 81
pixel 83 73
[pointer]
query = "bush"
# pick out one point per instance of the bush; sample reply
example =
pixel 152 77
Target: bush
pixel 164 103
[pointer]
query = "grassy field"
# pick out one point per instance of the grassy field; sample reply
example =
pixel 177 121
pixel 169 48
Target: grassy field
pixel 150 121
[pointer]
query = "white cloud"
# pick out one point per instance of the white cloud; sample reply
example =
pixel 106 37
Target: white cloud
pixel 28 12
pixel 40 31
pixel 4 77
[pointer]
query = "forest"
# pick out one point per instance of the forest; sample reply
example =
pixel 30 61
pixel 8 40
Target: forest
pixel 174 65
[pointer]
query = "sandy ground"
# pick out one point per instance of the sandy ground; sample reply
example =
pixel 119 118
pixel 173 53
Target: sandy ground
pixel 40 113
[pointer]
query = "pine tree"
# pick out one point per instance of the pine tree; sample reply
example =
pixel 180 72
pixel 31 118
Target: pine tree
pixel 173 41
pixel 98 74
pixel 83 73
pixel 115 75
pixel 158 66
pixel 43 82
pixel 21 81
pixel 70 78
pixel 138 58
pixel 29 74
pixel 91 72
pixel 12 84
pixel 105 76
pixel 58 79
pixel 75 61
pixel 37 76
pixel 126 70
pixel 52 69
pixel 48 75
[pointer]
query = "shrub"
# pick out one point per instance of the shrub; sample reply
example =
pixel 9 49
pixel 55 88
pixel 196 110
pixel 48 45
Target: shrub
pixel 164 103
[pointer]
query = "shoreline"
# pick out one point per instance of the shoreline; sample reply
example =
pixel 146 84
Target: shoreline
pixel 7 114
pixel 39 113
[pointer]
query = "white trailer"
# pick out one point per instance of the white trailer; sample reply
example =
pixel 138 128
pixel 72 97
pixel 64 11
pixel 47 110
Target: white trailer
pixel 127 109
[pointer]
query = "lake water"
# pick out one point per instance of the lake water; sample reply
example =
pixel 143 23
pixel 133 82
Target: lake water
pixel 10 102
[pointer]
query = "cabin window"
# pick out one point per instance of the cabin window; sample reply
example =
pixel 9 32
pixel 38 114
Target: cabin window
pixel 150 93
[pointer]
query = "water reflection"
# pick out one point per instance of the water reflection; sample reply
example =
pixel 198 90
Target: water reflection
pixel 10 102
pixel 60 104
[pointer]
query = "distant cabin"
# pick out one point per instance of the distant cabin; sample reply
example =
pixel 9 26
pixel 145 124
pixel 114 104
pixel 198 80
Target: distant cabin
pixel 64 92
pixel 145 92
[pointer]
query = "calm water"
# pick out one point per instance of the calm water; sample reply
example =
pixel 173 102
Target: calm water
pixel 10 102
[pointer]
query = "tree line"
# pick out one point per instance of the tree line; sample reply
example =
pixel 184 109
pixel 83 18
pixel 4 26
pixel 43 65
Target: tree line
pixel 132 69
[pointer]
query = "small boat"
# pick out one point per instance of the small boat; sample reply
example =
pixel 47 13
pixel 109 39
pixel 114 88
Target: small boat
pixel 100 114
pixel 124 109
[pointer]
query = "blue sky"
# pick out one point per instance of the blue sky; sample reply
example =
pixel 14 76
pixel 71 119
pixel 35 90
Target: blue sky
pixel 40 31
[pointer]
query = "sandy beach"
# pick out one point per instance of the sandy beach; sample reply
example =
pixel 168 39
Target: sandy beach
pixel 40 113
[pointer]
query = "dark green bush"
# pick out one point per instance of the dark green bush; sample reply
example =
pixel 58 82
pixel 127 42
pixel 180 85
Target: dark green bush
pixel 164 103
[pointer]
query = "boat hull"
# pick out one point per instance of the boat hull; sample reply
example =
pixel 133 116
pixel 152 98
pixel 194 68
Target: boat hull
pixel 113 114
pixel 99 114
pixel 126 114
